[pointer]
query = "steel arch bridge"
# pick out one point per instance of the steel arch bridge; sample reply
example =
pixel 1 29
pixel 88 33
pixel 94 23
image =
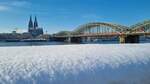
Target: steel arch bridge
pixel 99 28
pixel 108 30
pixel 141 27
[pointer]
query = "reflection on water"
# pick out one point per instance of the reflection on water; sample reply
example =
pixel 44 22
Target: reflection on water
pixel 60 43
pixel 30 43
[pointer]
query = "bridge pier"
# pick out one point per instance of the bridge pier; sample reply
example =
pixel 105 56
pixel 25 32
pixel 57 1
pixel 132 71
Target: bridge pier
pixel 122 39
pixel 129 39
pixel 89 39
pixel 68 39
pixel 84 39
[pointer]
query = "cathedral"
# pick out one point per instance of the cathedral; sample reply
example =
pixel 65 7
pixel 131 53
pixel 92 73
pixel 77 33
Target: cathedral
pixel 33 28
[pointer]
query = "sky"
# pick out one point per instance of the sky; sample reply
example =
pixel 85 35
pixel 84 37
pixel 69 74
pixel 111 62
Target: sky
pixel 60 15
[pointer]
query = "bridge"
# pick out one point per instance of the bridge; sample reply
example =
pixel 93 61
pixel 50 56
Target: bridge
pixel 107 31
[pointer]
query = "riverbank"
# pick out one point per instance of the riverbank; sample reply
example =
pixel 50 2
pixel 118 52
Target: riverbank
pixel 76 64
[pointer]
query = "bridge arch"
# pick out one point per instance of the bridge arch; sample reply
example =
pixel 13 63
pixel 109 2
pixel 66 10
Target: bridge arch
pixel 141 27
pixel 99 27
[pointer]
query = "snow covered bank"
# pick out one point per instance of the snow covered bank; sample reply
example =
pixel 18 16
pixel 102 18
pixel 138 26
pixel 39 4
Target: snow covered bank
pixel 76 64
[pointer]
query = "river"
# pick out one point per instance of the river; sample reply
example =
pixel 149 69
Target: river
pixel 3 44
pixel 76 64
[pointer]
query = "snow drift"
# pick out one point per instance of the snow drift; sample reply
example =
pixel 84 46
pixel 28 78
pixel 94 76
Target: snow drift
pixel 76 64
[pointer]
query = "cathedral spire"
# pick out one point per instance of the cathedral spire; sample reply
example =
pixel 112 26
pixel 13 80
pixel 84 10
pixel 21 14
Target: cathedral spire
pixel 30 25
pixel 35 23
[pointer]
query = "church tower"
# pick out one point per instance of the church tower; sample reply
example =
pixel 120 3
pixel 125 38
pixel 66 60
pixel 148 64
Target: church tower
pixel 33 28
pixel 35 23
pixel 30 25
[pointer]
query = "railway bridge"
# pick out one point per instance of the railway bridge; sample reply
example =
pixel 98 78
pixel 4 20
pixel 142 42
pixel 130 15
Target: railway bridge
pixel 107 31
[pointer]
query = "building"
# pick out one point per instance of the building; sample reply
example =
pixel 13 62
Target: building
pixel 33 28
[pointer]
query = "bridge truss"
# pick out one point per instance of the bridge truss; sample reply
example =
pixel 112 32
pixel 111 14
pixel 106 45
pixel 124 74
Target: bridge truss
pixel 101 30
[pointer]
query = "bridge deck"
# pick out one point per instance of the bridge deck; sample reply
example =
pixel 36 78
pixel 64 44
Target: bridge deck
pixel 105 34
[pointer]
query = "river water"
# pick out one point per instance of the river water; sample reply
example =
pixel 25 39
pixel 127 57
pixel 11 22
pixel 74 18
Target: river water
pixel 76 64
pixel 3 44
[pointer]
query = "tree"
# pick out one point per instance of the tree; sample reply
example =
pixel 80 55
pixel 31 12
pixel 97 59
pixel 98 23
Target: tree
pixel 63 33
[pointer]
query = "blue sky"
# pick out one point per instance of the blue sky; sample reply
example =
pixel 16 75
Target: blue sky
pixel 57 15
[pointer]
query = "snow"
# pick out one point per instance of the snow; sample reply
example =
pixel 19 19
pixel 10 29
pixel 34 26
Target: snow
pixel 76 64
